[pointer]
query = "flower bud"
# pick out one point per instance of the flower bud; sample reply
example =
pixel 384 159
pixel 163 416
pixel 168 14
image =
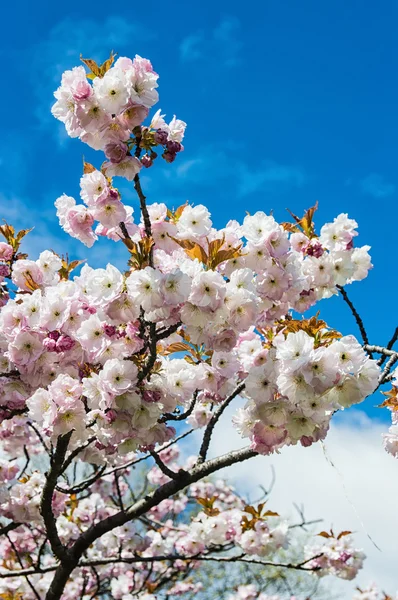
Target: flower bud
pixel 169 156
pixel 110 330
pixel 65 343
pixel 4 271
pixel 115 151
pixel 173 147
pixel 147 161
pixel 160 137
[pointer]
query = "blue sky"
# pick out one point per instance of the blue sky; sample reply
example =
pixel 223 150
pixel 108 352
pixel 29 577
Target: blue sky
pixel 286 103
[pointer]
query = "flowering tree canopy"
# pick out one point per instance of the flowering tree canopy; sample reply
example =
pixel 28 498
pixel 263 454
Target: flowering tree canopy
pixel 106 370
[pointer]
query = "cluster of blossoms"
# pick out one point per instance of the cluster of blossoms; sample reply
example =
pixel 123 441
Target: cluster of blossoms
pixel 108 114
pixel 296 385
pixel 391 438
pixel 173 528
pixel 251 592
pixel 336 555
pixel 98 367
pixel 372 592
pixel 78 344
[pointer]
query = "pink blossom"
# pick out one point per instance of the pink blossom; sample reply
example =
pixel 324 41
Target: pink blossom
pixel 6 251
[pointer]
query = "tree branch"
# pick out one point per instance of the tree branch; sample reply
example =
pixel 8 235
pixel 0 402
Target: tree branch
pixel 140 508
pixel 135 461
pixel 164 468
pixel 390 344
pixel 143 206
pixel 83 485
pixel 165 332
pixel 213 421
pixel 46 509
pixel 356 317
pixel 184 415
pixel 9 527
pixel 75 452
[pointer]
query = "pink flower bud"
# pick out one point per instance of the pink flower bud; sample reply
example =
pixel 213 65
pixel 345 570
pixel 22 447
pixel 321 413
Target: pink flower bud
pixel 4 271
pixel 147 161
pixel 110 330
pixel 169 156
pixel 115 152
pixel 50 345
pixel 65 343
pixel 6 251
pixel 161 137
pixel 54 335
pixel 111 415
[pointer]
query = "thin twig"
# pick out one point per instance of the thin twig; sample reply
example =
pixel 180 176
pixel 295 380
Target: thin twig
pixel 135 461
pixel 37 432
pixel 165 332
pixel 169 558
pixel 163 467
pixel 390 344
pixel 83 485
pixel 356 317
pixel 184 415
pixel 213 421
pixel 10 527
pixel 19 559
pixel 75 452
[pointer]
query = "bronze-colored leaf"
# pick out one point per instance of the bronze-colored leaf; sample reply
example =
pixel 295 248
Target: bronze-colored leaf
pixel 290 227
pixel 214 246
pixel 208 508
pixel 22 234
pixel 343 533
pixel 88 168
pixel 92 65
pixel 106 65
pixel 251 510
pixel 391 401
pixel 178 212
pixel 304 223
pixel 197 252
pixel 68 267
pixel 270 513
pixel 325 534
pixel 178 347
pixel 228 254
pixel 30 283
pixel 186 244
pixel 8 232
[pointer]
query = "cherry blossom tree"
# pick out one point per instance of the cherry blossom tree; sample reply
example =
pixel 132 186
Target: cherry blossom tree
pixel 105 371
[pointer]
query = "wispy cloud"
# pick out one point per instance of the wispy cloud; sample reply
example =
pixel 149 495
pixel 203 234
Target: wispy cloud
pixel 358 491
pixel 191 47
pixel 268 176
pixel 48 235
pixel 212 166
pixel 223 43
pixel 375 185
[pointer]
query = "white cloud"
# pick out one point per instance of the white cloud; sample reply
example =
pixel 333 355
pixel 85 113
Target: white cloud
pixel 358 493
